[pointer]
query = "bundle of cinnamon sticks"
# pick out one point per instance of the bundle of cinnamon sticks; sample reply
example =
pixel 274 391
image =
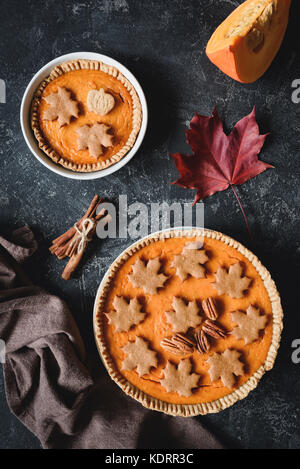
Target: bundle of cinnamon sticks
pixel 73 242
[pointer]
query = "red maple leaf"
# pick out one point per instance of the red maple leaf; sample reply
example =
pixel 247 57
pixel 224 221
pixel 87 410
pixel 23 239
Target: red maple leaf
pixel 218 160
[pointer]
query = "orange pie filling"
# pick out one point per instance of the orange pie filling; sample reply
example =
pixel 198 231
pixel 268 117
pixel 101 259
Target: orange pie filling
pixel 155 326
pixel 64 139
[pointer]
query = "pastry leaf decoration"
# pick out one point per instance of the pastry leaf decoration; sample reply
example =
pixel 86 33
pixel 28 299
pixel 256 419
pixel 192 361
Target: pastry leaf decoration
pixel 184 315
pixel 218 160
pixel 225 365
pixel 180 379
pixel 231 282
pixel 126 314
pixel 189 262
pixel 248 324
pixel 139 357
pixel 62 107
pixel 146 276
pixel 94 138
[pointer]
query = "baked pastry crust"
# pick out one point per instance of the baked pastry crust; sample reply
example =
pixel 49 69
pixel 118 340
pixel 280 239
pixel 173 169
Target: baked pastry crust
pixel 188 410
pixel 83 64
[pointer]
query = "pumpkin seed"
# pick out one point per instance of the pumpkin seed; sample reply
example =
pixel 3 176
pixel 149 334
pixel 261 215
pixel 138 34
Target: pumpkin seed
pixel 256 36
pixel 255 39
pixel 266 18
pixel 248 17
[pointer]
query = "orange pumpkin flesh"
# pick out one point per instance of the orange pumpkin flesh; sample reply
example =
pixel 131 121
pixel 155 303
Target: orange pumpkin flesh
pixel 245 44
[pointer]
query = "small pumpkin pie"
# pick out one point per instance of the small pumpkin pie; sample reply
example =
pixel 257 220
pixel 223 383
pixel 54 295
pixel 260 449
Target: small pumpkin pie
pixel 86 115
pixel 188 321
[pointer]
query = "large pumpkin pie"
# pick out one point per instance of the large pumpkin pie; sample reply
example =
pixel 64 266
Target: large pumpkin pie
pixel 86 115
pixel 188 321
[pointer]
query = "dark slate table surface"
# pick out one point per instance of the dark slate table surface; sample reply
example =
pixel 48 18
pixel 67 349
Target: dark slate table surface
pixel 162 42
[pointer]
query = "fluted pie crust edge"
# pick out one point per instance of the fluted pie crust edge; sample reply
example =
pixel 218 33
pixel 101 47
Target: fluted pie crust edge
pixel 84 65
pixel 189 410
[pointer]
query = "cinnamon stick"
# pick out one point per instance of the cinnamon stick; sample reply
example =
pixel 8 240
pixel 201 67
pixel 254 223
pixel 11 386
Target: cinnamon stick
pixel 67 244
pixel 70 233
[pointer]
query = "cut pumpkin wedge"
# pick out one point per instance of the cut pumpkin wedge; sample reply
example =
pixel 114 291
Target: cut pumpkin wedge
pixel 245 44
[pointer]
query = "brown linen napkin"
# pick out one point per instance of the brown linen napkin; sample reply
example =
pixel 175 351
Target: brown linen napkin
pixel 48 385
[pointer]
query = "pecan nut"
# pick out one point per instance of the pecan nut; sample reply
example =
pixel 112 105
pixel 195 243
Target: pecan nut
pixel 183 341
pixel 209 308
pixel 178 344
pixel 202 341
pixel 213 330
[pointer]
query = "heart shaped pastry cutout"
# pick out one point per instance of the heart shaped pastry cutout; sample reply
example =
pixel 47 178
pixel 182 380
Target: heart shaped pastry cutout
pixel 100 102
